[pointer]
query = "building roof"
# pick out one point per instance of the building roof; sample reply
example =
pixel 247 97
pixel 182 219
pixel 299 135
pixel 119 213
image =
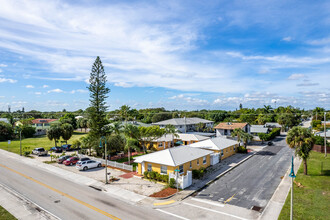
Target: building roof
pixel 258 129
pixel 326 122
pixel 191 137
pixel 182 121
pixel 136 123
pixel 173 156
pixel 218 143
pixel 273 124
pixel 230 125
pixel 321 134
pixel 206 134
pixel 42 120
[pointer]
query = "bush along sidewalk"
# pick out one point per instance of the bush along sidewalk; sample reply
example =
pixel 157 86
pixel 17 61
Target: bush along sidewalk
pixel 153 175
pixel 198 174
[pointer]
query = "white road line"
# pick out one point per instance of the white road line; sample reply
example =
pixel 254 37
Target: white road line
pixel 211 210
pixel 169 213
pixel 208 202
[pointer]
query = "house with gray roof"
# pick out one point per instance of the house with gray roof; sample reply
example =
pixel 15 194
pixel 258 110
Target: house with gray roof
pixel 184 125
pixel 257 129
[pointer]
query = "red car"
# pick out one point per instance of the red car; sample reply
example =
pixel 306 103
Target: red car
pixel 71 161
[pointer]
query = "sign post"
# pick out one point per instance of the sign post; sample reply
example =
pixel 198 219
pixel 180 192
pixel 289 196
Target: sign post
pixel 292 175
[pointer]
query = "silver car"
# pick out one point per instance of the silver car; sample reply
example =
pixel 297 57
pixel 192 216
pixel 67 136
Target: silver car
pixel 39 151
pixel 88 164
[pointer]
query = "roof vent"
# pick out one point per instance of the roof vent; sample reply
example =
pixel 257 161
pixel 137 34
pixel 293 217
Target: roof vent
pixel 229 123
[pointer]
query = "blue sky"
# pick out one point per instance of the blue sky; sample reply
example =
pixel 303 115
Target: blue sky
pixel 173 54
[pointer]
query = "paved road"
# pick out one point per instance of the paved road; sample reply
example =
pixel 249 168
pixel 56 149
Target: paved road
pixel 254 182
pixel 66 199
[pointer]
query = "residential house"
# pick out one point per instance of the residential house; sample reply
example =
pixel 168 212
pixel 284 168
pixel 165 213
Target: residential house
pixel 42 125
pixel 257 129
pixel 226 147
pixel 272 125
pixel 185 125
pixel 321 134
pixel 190 138
pixel 226 128
pixel 182 158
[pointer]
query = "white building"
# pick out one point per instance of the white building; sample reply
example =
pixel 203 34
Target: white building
pixel 185 124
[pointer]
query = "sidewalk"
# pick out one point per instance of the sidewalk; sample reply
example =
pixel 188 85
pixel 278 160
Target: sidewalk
pixel 275 204
pixel 80 179
pixel 21 207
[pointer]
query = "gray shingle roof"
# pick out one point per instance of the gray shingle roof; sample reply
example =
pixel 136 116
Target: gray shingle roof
pixel 258 129
pixel 218 143
pixel 182 121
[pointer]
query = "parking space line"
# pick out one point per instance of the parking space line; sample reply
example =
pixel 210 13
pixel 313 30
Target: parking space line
pixel 208 202
pixel 169 213
pixel 211 210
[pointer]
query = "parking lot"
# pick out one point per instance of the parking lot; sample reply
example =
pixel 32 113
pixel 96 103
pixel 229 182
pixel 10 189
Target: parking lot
pixel 126 181
pixel 252 183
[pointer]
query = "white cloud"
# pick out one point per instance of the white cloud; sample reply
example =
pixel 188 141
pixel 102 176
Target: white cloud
pixel 37 93
pixel 45 86
pixel 287 39
pixel 56 91
pixel 189 100
pixel 3 65
pixel 29 86
pixel 308 84
pixel 79 91
pixel 296 76
pixel 123 84
pixel 3 80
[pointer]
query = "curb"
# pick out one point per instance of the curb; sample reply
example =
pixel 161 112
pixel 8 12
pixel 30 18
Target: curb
pixel 217 177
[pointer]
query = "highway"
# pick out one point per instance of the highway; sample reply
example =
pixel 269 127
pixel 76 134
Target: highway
pixel 65 199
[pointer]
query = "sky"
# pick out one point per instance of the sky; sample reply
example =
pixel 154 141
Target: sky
pixel 180 54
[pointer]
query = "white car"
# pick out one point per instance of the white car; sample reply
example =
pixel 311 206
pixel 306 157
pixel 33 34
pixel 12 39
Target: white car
pixel 88 164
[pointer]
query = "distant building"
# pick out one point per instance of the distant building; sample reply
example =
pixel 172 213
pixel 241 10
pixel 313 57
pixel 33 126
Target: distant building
pixel 42 125
pixel 257 129
pixel 226 128
pixel 273 125
pixel 5 120
pixel 184 125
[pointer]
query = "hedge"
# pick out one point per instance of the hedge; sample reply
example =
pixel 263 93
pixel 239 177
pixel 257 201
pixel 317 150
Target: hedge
pixel 198 174
pixel 266 137
pixel 153 175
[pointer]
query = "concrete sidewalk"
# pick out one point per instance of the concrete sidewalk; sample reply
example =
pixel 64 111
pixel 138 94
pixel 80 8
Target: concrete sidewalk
pixel 275 204
pixel 20 207
pixel 114 191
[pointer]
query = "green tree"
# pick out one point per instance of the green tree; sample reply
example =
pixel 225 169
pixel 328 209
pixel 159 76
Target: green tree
pixel 28 131
pixel 67 131
pixel 287 120
pixel 171 130
pixel 161 117
pixel 237 132
pixel 301 139
pixel 98 94
pixel 117 127
pixel 83 123
pixel 54 133
pixel 6 131
pixel 69 118
pixel 88 142
pixel 149 134
pixel 131 133
pixel 124 112
pixel 246 137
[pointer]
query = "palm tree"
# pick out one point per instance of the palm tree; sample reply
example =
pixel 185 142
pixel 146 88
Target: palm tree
pixel 124 111
pixel 131 133
pixel 116 127
pixel 170 129
pixel 301 139
pixel 246 137
pixel 267 108
pixel 237 132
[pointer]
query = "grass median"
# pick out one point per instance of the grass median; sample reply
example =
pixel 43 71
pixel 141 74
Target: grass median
pixel 4 214
pixel 312 198
pixel 39 141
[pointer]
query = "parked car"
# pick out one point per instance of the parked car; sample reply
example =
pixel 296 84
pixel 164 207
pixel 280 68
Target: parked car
pixel 84 159
pixel 63 158
pixel 40 151
pixel 89 164
pixel 270 143
pixel 56 149
pixel 67 147
pixel 71 161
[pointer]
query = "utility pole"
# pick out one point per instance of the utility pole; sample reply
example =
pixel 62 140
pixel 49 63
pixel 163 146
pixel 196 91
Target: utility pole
pixel 292 175
pixel 325 135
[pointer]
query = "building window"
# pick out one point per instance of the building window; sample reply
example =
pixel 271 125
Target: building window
pixel 225 132
pixel 181 168
pixel 149 167
pixel 221 152
pixel 204 160
pixel 234 147
pixel 163 169
pixel 197 162
pixel 190 165
pixel 160 144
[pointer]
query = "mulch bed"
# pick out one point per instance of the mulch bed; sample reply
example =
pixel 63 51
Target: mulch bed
pixel 164 193
pixel 128 175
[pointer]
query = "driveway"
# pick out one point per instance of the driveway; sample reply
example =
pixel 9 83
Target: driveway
pixel 254 182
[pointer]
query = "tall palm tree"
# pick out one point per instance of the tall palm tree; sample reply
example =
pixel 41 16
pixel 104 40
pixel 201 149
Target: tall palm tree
pixel 170 129
pixel 246 137
pixel 124 111
pixel 237 132
pixel 301 140
pixel 267 108
pixel 117 126
pixel 131 133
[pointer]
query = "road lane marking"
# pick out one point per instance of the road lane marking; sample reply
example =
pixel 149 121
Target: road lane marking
pixel 164 203
pixel 211 210
pixel 63 194
pixel 169 213
pixel 208 202
pixel 228 200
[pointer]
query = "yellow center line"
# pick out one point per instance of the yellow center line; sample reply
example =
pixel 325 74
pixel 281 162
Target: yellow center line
pixel 63 194
pixel 228 200
pixel 164 203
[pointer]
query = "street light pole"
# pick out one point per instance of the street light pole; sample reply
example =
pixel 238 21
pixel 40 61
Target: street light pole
pixel 106 157
pixel 325 134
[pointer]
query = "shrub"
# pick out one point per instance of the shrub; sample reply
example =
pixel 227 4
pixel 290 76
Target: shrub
pixel 242 150
pixel 26 151
pixel 198 174
pixel 172 183
pixel 146 174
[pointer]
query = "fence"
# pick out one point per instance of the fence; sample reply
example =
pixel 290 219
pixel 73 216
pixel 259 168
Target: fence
pixel 111 163
pixel 183 181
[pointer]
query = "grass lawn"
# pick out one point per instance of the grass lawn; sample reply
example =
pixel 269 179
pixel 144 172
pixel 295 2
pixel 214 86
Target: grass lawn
pixel 40 141
pixel 4 214
pixel 313 200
